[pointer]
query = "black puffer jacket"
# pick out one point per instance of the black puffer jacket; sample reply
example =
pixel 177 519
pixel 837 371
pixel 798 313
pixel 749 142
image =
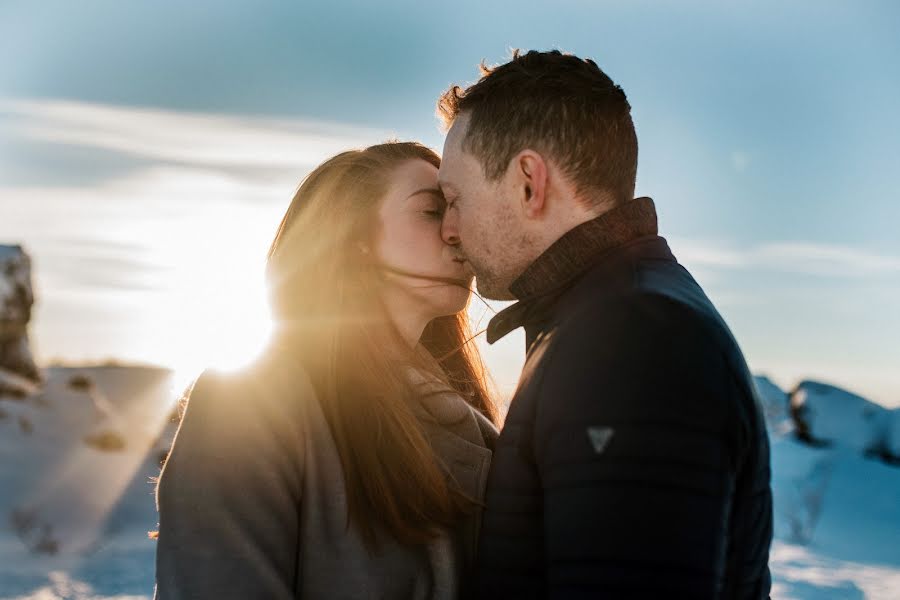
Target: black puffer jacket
pixel 634 461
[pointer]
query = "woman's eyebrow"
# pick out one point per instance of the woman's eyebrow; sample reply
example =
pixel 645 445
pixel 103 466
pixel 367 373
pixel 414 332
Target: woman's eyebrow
pixel 434 191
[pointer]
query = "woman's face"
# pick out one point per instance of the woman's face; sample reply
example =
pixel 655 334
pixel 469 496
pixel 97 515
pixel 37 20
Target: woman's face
pixel 409 240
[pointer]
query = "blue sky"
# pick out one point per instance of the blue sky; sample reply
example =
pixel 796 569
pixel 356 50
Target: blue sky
pixel 139 139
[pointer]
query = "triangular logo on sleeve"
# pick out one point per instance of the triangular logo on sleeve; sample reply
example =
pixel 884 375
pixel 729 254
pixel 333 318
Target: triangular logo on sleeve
pixel 600 437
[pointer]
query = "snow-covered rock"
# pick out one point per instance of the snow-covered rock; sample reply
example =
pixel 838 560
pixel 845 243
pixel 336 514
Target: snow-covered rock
pixel 13 385
pixel 828 415
pixel 775 403
pixel 16 300
pixel 892 435
pixel 84 466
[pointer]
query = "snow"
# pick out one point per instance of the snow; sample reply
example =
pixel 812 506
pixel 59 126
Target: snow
pixel 892 434
pixel 75 517
pixel 803 574
pixel 836 416
pixel 775 403
pixel 837 511
pixel 837 501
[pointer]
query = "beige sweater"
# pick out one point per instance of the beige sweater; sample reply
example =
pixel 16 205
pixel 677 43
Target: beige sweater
pixel 252 502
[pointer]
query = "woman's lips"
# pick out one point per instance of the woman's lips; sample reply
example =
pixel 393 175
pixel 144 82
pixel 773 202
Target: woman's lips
pixel 465 265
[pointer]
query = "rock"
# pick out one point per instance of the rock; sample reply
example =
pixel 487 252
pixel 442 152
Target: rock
pixel 775 403
pixel 80 383
pixel 106 441
pixel 16 300
pixel 825 415
pixel 15 387
pixel 892 436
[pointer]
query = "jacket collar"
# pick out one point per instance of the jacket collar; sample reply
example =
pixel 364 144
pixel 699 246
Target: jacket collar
pixel 570 256
pixel 438 404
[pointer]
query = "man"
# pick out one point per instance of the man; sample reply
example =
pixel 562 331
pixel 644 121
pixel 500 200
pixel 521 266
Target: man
pixel 634 461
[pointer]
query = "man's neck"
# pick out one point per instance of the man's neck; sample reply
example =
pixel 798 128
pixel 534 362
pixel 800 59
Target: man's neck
pixel 575 249
pixel 572 255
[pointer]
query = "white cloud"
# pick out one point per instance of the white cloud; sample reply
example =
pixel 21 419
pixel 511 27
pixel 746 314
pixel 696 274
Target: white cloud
pixel 176 247
pixel 207 139
pixel 811 258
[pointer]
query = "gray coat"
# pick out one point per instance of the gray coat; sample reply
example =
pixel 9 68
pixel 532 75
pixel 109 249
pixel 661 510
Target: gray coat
pixel 252 502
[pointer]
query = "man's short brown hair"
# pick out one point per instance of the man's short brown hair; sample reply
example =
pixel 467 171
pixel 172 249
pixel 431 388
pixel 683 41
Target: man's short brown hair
pixel 558 104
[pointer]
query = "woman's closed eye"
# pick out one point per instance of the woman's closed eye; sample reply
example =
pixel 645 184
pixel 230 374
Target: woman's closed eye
pixel 435 208
pixel 429 202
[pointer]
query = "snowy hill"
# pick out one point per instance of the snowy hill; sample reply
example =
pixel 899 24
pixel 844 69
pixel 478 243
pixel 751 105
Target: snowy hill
pixel 827 415
pixel 76 496
pixel 837 502
pixel 776 405
pixel 76 459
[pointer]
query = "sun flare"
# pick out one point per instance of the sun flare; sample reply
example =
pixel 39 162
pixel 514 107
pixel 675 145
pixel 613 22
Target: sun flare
pixel 228 319
pixel 216 312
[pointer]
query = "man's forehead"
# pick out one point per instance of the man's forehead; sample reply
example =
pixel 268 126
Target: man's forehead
pixel 445 180
pixel 449 164
pixel 453 159
pixel 457 132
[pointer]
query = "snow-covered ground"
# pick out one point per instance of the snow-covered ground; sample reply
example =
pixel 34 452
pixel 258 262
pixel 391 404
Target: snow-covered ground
pixel 76 495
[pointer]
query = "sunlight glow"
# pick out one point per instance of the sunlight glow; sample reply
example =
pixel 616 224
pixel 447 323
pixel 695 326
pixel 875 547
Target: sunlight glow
pixel 170 254
pixel 216 307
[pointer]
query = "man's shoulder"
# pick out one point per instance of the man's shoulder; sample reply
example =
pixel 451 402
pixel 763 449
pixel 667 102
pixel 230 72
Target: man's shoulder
pixel 646 296
pixel 631 338
pixel 628 317
pixel 648 340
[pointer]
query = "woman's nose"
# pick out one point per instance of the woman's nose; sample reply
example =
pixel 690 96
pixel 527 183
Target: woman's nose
pixel 449 232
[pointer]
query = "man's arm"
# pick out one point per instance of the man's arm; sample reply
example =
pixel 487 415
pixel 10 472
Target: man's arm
pixel 228 497
pixel 635 444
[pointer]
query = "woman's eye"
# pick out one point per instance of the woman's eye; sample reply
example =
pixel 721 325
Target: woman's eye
pixel 437 214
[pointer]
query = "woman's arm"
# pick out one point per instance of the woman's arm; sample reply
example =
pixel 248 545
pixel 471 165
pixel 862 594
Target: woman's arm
pixel 229 494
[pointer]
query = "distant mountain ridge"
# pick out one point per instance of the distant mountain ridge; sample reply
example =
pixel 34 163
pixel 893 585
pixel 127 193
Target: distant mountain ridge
pixel 824 415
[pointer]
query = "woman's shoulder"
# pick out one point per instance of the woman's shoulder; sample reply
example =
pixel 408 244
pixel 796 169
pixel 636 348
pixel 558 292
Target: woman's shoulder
pixel 268 375
pixel 268 395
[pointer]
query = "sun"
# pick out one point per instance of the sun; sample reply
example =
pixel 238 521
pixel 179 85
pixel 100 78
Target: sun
pixel 228 322
pixel 237 330
pixel 218 314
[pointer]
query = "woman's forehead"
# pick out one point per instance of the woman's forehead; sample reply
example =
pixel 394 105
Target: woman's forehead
pixel 412 176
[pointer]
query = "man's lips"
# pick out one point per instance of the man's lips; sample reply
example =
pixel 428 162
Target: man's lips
pixel 462 261
pixel 465 265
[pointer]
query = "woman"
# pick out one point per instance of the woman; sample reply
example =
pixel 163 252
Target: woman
pixel 350 461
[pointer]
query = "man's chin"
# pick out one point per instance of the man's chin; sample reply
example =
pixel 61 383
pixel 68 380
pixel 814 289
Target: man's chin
pixel 490 291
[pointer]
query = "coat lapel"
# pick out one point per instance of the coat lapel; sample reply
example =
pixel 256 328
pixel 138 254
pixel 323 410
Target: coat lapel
pixel 463 440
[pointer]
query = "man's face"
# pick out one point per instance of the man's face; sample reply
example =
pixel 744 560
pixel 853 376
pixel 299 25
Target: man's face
pixel 481 217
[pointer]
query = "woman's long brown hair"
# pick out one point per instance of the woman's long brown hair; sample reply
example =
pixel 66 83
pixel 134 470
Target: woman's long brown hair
pixel 325 299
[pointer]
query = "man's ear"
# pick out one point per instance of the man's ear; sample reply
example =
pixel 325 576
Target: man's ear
pixel 531 181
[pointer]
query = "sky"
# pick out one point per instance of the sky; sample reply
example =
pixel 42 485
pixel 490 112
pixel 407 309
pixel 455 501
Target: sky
pixel 149 149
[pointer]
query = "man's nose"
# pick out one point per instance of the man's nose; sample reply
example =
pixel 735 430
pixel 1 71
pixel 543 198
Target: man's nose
pixel 449 231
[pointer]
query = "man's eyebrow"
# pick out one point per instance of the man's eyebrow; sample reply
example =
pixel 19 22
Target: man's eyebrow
pixel 434 191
